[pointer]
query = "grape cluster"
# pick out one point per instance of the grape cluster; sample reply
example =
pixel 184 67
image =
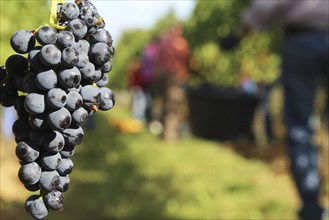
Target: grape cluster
pixel 58 84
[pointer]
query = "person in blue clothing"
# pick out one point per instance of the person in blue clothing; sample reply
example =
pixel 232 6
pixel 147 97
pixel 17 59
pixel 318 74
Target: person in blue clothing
pixel 305 58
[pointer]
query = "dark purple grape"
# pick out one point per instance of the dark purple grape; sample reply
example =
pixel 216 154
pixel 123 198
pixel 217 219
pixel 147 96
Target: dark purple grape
pixel 97 75
pixel 74 101
pixel 73 136
pixel 33 52
pixel 54 200
pixel 67 151
pixel 49 180
pixel 82 46
pixel 65 167
pixel 99 54
pixel 36 64
pixel 29 201
pixel 87 70
pixel 107 67
pixel 90 16
pixel 46 80
pixel 27 152
pixel 79 116
pixel 19 79
pixel 39 121
pixel 36 207
pixel 88 4
pixel 8 95
pixel 38 137
pixel 90 95
pixel 22 41
pixel 29 83
pixel 69 11
pixel 50 55
pixel 90 74
pixel 69 78
pixel 59 119
pixel 34 103
pixel 46 35
pixel 54 142
pixel 102 36
pixel 29 173
pixel 32 187
pixel 107 99
pixel 19 106
pixel 64 183
pixel 103 81
pixel 65 39
pixel 83 60
pixel 78 28
pixel 56 98
pixel 70 57
pixel 21 128
pixel 50 161
pixel 16 65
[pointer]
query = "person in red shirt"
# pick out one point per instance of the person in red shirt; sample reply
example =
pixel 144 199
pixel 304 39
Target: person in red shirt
pixel 138 103
pixel 171 73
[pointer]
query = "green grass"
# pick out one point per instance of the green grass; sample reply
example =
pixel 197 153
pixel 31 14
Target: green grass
pixel 137 176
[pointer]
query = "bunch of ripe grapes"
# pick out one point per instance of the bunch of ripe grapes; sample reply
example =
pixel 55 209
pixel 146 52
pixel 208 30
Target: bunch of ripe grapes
pixel 55 86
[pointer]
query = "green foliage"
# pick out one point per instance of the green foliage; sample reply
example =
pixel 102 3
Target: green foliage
pixel 16 15
pixel 256 55
pixel 211 19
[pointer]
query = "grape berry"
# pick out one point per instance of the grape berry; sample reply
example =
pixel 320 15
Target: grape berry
pixel 55 88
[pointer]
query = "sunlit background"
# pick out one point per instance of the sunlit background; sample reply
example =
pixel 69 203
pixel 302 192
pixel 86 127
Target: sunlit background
pixel 123 15
pixel 125 171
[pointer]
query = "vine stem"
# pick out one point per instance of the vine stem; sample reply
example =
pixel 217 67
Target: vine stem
pixel 53 15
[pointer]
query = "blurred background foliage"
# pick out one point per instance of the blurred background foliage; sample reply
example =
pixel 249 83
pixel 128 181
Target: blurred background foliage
pixel 257 55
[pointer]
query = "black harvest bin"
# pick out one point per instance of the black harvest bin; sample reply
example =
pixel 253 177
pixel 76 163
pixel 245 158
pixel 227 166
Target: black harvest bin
pixel 221 113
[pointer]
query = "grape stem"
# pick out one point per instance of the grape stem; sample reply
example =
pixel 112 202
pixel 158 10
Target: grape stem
pixel 94 108
pixel 42 193
pixel 53 15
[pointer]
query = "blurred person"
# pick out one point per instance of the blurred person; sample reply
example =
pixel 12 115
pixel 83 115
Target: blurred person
pixel 149 58
pixel 305 55
pixel 265 93
pixel 172 69
pixel 138 103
